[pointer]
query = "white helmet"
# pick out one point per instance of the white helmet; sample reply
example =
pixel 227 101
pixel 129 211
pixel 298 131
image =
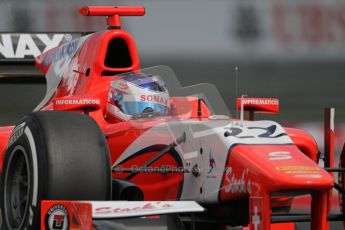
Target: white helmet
pixel 137 95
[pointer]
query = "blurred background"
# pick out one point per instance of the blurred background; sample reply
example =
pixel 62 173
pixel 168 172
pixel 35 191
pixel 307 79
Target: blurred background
pixel 291 50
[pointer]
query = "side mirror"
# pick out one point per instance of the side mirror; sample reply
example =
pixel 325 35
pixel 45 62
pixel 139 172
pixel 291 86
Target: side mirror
pixel 258 105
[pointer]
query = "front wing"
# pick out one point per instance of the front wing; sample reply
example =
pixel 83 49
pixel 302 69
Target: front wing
pixel 88 215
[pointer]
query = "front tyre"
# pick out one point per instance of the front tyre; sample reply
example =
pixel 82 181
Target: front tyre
pixel 52 156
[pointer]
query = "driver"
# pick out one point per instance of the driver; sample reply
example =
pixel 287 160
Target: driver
pixel 136 95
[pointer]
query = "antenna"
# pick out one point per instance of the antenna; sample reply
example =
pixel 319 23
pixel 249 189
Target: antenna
pixel 242 108
pixel 199 107
pixel 236 95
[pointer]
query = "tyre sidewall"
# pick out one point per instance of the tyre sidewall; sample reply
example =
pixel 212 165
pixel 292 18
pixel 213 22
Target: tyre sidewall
pixel 28 136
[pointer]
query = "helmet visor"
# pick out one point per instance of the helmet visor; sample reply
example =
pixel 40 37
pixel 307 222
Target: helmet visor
pixel 146 104
pixel 136 108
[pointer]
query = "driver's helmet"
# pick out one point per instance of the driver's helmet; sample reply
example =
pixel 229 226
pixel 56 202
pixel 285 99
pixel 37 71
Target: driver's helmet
pixel 137 95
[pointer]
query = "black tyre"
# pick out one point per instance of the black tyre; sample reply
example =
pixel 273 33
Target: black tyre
pixel 52 156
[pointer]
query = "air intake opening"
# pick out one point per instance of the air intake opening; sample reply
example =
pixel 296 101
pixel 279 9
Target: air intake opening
pixel 118 55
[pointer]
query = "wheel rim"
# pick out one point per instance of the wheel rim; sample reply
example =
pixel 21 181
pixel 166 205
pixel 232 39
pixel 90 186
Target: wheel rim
pixel 17 188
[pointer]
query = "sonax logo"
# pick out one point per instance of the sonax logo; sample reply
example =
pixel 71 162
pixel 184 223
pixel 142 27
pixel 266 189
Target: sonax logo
pixel 29 45
pixel 57 218
pixel 154 98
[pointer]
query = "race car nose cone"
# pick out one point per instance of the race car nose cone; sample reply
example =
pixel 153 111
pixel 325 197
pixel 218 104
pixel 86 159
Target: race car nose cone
pixel 278 167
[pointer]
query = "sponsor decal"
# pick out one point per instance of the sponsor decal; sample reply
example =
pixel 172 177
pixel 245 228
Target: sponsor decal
pixel 118 209
pixel 212 163
pixel 154 98
pixel 31 215
pixel 57 218
pixel 123 85
pixel 299 169
pixel 27 44
pixel 271 131
pixel 67 50
pixel 77 102
pixel 63 55
pixel 260 101
pixel 256 211
pixel 16 134
pixel 277 156
pixel 308 176
pixel 270 105
pixel 237 184
pixel 144 207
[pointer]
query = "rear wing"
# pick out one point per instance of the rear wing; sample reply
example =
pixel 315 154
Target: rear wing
pixel 19 50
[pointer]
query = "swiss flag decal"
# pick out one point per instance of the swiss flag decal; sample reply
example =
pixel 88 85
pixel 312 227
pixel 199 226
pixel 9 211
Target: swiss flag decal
pixel 256 211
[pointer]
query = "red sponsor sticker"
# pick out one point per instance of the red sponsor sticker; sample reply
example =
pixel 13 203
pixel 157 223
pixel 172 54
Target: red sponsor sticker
pixel 154 98
pixel 263 105
pixel 123 85
pixel 66 215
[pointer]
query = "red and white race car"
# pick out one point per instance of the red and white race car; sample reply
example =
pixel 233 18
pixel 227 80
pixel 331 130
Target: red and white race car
pixel 111 140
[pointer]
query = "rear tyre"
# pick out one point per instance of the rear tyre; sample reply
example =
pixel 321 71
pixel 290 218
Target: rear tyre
pixel 52 156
